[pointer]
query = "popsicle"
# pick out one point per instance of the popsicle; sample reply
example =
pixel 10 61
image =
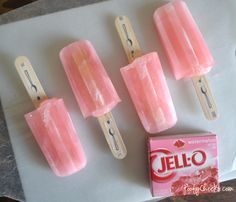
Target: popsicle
pixel 146 82
pixel 93 89
pixel 51 125
pixel 187 51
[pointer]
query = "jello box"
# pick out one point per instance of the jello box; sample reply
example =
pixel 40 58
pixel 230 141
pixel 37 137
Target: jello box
pixel 183 164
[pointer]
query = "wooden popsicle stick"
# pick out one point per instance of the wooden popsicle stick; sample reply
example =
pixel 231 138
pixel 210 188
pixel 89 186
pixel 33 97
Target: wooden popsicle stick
pixel 30 80
pixel 112 135
pixel 128 38
pixel 205 97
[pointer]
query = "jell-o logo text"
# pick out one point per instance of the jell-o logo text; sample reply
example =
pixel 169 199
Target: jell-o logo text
pixel 164 162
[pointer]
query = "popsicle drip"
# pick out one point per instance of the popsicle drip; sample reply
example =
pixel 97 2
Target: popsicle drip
pixel 85 72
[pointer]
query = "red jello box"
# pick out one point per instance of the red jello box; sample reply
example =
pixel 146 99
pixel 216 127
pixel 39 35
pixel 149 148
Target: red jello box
pixel 183 164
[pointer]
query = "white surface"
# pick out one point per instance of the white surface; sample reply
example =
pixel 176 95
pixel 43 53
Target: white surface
pixel 104 178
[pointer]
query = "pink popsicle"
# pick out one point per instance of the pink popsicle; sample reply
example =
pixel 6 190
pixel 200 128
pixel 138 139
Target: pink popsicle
pixel 51 125
pixel 90 83
pixel 186 49
pixel 148 89
pixel 54 132
pixel 146 82
pixel 93 90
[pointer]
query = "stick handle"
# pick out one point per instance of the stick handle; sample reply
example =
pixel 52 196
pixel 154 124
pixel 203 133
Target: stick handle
pixel 205 97
pixel 128 38
pixel 30 80
pixel 112 135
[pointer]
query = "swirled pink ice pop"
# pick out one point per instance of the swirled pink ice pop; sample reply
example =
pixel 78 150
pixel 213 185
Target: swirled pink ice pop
pixel 146 83
pixel 51 125
pixel 186 50
pixel 93 89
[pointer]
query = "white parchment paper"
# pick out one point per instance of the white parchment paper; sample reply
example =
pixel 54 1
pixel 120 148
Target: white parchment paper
pixel 104 178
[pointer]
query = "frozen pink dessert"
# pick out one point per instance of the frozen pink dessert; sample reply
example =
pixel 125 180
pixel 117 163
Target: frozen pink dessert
pixel 56 136
pixel 183 164
pixel 186 49
pixel 90 83
pixel 93 90
pixel 148 89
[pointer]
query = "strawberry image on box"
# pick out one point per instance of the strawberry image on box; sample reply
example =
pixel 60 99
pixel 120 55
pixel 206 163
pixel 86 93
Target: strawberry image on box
pixel 183 164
